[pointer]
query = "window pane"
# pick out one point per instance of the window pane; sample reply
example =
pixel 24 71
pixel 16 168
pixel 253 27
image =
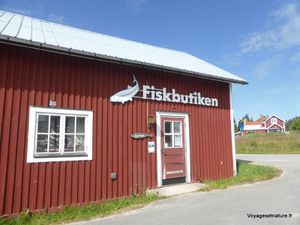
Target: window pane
pixel 43 124
pixel 69 143
pixel 168 127
pixel 42 142
pixel 70 121
pixel 79 143
pixel 177 140
pixel 177 127
pixel 54 143
pixel 80 125
pixel 168 141
pixel 54 124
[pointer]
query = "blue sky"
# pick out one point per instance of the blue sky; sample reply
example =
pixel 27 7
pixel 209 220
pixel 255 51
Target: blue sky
pixel 258 40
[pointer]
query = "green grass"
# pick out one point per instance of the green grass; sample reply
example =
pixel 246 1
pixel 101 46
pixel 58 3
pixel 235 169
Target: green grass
pixel 81 213
pixel 273 143
pixel 247 173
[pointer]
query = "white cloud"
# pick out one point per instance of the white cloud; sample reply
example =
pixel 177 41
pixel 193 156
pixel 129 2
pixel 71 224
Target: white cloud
pixel 266 67
pixel 287 11
pixel 284 35
pixel 263 69
pixel 56 18
pixel 26 12
pixel 136 5
pixel 231 59
pixel 295 72
pixel 295 58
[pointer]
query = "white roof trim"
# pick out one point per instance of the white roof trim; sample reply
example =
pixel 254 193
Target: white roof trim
pixel 276 117
pixel 19 29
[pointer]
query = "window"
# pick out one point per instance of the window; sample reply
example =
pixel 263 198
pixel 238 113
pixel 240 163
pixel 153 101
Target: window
pixel 59 135
pixel 173 134
pixel 273 120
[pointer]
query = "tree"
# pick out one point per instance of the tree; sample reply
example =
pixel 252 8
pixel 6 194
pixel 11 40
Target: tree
pixel 296 124
pixel 293 124
pixel 246 118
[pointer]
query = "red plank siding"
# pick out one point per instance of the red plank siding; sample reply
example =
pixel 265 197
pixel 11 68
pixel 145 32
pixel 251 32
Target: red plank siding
pixel 31 77
pixel 279 122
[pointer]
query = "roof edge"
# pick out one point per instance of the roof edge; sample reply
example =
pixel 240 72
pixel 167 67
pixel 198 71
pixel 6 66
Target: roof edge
pixel 90 55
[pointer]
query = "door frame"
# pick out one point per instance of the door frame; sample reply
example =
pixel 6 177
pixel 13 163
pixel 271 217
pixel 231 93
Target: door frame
pixel 186 134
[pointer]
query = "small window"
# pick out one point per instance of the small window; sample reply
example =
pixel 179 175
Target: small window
pixel 173 134
pixel 273 120
pixel 59 135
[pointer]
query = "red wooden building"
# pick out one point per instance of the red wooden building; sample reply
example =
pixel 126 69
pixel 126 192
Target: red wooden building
pixel 76 126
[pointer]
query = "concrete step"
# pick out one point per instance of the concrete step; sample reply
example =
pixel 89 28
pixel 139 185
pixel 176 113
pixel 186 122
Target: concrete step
pixel 177 189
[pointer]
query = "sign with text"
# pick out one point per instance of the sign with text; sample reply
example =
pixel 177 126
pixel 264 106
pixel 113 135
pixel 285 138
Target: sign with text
pixel 152 93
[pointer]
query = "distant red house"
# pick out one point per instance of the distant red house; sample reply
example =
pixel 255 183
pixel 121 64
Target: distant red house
pixel 264 125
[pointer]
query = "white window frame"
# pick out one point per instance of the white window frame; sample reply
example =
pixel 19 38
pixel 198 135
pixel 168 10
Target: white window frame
pixel 273 120
pixel 173 134
pixel 32 157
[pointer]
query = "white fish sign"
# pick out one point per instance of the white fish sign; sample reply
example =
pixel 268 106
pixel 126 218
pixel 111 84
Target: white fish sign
pixel 140 135
pixel 127 94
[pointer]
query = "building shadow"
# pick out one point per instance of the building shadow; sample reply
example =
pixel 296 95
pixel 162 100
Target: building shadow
pixel 238 161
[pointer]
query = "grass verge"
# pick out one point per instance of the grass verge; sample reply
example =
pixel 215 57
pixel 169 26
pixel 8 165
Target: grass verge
pixel 247 173
pixel 69 214
pixel 272 143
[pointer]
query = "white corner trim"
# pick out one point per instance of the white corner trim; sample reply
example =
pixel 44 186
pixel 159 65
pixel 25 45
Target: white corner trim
pixel 158 145
pixel 158 150
pixel 32 129
pixel 232 131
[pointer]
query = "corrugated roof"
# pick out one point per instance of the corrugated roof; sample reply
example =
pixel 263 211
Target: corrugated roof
pixel 253 122
pixel 35 32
